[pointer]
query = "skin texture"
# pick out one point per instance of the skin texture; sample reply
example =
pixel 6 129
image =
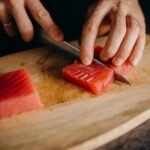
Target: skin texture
pixel 126 39
pixel 122 18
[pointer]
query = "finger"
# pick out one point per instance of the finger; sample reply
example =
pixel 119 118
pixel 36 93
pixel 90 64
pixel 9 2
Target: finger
pixel 137 52
pixel 9 28
pixel 128 42
pixel 91 9
pixel 116 36
pixel 105 26
pixel 44 19
pixel 23 22
pixel 6 21
pixel 90 31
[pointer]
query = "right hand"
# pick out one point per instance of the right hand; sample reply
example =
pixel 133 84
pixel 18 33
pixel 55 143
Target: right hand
pixel 126 39
pixel 17 9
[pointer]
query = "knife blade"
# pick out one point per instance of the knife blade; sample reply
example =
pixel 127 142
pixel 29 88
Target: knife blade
pixel 76 52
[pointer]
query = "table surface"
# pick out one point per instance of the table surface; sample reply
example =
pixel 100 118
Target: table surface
pixel 137 139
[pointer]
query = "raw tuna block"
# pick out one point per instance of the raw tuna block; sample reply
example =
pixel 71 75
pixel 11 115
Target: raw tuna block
pixel 123 69
pixel 94 77
pixel 17 93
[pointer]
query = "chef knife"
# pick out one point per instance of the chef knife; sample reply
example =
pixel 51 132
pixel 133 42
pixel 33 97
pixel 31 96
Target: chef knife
pixel 76 51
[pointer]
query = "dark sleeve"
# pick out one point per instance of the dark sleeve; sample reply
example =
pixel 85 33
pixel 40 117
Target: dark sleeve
pixel 69 15
pixel 145 5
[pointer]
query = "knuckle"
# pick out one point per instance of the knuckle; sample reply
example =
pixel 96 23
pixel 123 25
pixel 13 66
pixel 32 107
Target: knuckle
pixel 118 10
pixel 134 25
pixel 42 13
pixel 89 26
pixel 11 4
pixel 2 7
pixel 120 25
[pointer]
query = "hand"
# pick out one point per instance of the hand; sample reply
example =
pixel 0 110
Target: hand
pixel 18 10
pixel 126 39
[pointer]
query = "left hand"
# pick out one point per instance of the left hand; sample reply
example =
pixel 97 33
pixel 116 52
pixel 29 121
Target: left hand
pixel 126 40
pixel 17 12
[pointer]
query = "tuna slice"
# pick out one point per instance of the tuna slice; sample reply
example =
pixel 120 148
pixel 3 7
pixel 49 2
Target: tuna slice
pixel 123 69
pixel 17 93
pixel 95 77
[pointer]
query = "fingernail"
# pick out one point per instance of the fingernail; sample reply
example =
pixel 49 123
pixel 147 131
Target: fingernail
pixel 134 62
pixel 118 61
pixel 86 61
pixel 56 35
pixel 103 57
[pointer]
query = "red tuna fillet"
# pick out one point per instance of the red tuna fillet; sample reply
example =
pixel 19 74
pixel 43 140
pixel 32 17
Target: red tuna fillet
pixel 95 77
pixel 17 93
pixel 123 69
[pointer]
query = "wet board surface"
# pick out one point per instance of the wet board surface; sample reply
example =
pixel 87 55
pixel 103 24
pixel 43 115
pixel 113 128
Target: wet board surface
pixel 72 117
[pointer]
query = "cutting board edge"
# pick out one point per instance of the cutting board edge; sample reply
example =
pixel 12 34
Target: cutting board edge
pixel 112 135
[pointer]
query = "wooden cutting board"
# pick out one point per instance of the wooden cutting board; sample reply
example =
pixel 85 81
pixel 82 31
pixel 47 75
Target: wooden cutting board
pixel 72 117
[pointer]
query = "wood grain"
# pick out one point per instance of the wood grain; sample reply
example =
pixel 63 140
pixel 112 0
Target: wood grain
pixel 72 117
